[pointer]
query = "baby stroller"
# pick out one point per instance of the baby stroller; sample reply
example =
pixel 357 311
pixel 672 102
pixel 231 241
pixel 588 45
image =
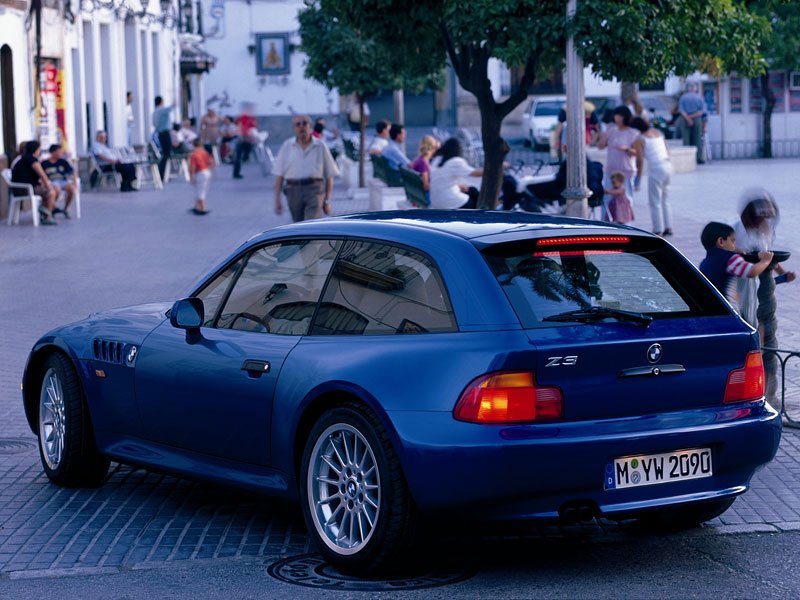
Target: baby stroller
pixel 545 197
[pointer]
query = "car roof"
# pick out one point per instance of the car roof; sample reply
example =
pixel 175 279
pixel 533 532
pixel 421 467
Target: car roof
pixel 478 226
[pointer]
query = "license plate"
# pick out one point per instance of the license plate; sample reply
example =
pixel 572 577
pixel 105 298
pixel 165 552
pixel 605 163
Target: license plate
pixel 651 469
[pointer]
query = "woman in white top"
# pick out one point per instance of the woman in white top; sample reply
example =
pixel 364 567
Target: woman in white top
pixel 652 146
pixel 449 187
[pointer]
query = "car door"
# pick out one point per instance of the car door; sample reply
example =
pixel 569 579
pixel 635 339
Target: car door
pixel 213 393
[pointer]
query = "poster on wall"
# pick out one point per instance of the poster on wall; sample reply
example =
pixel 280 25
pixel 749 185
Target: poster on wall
pixel 710 97
pixel 50 113
pixel 272 53
pixel 736 94
pixel 755 95
pixel 794 100
pixel 777 83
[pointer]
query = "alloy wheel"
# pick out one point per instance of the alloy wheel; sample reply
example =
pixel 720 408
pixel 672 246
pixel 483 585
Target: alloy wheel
pixel 52 419
pixel 344 493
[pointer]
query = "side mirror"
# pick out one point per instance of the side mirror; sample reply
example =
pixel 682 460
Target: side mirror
pixel 187 313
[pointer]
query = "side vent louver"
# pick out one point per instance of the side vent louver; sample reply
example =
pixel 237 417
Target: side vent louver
pixel 108 351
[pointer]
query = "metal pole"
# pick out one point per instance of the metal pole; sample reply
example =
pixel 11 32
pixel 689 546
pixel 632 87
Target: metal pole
pixel 399 115
pixel 576 191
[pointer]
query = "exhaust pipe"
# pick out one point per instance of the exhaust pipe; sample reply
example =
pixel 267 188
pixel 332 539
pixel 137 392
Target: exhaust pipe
pixel 577 511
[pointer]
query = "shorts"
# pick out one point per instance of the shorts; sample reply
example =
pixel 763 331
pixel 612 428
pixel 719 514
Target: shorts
pixel 202 179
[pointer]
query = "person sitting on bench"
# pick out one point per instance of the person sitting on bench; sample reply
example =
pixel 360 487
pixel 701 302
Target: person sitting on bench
pixel 110 160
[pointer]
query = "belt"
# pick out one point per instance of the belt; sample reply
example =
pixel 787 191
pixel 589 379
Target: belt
pixel 306 181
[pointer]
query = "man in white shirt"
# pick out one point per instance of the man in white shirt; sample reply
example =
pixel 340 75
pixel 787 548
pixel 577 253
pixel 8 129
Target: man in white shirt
pixel 109 159
pixel 187 136
pixel 381 139
pixel 129 116
pixel 304 170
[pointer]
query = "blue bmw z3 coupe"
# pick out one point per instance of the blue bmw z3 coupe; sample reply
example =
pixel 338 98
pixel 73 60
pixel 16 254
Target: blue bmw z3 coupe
pixel 388 366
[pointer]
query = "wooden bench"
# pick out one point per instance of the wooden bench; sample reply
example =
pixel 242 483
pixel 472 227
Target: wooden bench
pixel 415 192
pixel 383 171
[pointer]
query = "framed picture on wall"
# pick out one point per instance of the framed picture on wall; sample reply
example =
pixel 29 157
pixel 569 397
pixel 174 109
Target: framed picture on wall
pixel 272 54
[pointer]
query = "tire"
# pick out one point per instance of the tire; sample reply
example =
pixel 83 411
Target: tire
pixel 66 441
pixel 686 516
pixel 357 508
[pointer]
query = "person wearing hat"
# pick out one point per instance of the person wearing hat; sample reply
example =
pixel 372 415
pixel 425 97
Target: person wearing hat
pixel 591 123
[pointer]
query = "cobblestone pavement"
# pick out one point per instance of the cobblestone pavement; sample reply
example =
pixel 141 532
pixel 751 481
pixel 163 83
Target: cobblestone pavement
pixel 145 246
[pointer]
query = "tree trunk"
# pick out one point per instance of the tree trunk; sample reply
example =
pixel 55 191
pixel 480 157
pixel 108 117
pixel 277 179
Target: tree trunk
pixel 494 153
pixel 769 106
pixel 629 92
pixel 362 126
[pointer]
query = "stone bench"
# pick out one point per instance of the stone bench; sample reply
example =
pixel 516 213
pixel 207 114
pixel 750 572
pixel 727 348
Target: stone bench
pixel 383 197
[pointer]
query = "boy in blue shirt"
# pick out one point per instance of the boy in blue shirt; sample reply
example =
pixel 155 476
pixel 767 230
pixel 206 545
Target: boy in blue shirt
pixel 722 263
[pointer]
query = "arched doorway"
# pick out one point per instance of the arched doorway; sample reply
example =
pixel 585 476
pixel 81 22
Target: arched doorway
pixel 7 90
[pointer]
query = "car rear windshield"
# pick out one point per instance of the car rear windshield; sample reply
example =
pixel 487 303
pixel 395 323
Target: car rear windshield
pixel 547 278
pixel 547 109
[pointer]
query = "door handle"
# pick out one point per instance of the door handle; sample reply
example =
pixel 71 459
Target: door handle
pixel 255 368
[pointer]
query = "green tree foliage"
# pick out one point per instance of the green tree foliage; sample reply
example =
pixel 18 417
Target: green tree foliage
pixel 781 47
pixel 633 40
pixel 342 57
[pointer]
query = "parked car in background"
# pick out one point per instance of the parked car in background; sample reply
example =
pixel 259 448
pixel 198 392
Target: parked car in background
pixel 540 118
pixel 660 109
pixel 382 367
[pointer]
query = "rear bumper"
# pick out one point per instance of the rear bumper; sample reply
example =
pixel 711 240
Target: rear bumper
pixel 531 471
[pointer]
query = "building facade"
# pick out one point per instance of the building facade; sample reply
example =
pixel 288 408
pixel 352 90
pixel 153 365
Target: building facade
pixel 67 65
pixel 256 44
pixel 16 108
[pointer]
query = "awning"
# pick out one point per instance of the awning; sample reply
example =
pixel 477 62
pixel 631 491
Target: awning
pixel 195 59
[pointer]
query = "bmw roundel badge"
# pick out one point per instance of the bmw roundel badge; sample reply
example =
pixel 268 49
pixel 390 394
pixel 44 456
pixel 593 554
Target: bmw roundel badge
pixel 131 357
pixel 654 353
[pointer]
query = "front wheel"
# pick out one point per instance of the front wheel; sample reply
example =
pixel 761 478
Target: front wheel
pixel 354 497
pixel 66 440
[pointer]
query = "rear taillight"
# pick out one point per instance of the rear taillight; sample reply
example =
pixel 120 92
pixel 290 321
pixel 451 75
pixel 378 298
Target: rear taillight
pixel 509 398
pixel 748 383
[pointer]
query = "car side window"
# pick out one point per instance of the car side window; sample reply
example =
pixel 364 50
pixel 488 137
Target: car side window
pixel 214 291
pixel 378 289
pixel 279 287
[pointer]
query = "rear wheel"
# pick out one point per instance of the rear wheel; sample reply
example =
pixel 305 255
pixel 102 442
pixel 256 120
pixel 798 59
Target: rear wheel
pixel 66 441
pixel 686 516
pixel 354 497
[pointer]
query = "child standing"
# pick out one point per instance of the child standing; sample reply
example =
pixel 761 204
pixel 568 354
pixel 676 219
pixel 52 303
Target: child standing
pixel 620 205
pixel 200 165
pixel 722 264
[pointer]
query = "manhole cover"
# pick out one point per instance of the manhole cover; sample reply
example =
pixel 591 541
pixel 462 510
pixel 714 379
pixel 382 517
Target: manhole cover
pixel 310 570
pixel 16 446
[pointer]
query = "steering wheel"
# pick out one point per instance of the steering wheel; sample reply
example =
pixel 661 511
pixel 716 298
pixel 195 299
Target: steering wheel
pixel 249 317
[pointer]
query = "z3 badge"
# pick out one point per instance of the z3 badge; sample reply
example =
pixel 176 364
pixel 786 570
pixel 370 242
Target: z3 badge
pixel 561 361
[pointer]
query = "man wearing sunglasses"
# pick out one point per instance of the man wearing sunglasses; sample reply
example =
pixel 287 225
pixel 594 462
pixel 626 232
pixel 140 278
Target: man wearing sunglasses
pixel 304 170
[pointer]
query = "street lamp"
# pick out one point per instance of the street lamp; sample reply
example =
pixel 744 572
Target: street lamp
pixel 576 191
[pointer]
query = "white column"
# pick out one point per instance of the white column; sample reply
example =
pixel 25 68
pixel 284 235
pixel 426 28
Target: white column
pixel 136 82
pixel 96 93
pixel 147 75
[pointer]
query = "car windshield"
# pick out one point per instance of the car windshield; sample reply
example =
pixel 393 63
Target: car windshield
pixel 588 280
pixel 548 109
